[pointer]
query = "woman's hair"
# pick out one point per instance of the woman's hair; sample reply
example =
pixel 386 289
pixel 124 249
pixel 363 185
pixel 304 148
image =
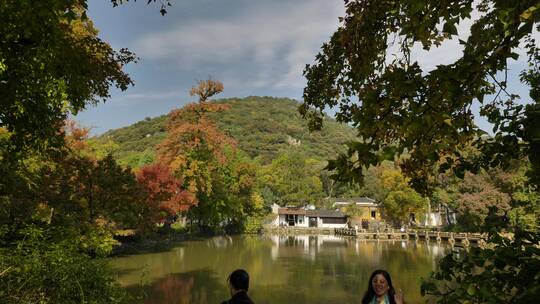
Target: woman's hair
pixel 370 293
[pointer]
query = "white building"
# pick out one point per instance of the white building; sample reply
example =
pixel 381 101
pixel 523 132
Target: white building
pixel 292 216
pixel 302 217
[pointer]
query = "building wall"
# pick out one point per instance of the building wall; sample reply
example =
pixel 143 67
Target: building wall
pixel 283 221
pixel 433 219
pixel 365 212
pixel 323 225
pixel 275 221
pixel 304 221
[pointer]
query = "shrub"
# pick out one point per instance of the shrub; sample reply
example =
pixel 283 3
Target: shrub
pixel 37 269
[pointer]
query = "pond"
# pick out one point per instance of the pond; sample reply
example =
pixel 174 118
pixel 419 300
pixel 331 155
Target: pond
pixel 283 269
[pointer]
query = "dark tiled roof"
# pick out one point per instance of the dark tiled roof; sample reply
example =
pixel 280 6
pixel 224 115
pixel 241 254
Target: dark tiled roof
pixel 325 213
pixel 299 211
pixel 362 199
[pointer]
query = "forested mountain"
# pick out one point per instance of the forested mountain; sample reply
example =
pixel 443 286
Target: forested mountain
pixel 262 126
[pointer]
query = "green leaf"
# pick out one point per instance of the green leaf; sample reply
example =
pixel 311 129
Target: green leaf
pixel 527 14
pixel 450 28
pixel 514 55
pixel 471 290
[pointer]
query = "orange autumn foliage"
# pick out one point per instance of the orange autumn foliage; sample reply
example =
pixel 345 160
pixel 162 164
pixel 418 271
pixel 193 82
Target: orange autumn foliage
pixel 191 132
pixel 206 89
pixel 75 135
pixel 187 134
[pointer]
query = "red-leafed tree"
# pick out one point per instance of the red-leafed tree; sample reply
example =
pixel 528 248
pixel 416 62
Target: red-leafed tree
pixel 164 191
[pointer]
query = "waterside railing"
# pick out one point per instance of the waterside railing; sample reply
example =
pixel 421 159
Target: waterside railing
pixel 463 238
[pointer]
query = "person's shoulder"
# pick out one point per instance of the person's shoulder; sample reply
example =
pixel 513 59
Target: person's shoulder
pixel 241 298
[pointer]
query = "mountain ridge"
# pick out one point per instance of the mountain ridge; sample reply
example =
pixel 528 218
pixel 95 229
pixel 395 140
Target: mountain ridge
pixel 262 126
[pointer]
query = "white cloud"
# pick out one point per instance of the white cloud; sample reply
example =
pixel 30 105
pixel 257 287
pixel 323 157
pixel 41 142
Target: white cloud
pixel 267 47
pixel 131 98
pixel 451 50
pixel 448 52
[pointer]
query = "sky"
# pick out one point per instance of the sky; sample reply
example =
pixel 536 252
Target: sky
pixel 255 47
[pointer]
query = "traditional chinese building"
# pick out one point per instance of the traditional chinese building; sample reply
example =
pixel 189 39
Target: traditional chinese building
pixel 302 217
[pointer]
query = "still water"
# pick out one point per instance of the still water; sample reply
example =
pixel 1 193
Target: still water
pixel 283 269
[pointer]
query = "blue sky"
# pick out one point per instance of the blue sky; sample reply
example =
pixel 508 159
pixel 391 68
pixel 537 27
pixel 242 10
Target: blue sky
pixel 255 47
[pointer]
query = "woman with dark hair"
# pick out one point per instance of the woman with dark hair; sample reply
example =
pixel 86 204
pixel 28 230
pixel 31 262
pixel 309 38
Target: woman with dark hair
pixel 381 291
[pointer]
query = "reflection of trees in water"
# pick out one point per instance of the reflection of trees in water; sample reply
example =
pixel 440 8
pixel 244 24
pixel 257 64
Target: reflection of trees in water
pixel 283 269
pixel 299 295
pixel 184 288
pixel 340 271
pixel 221 254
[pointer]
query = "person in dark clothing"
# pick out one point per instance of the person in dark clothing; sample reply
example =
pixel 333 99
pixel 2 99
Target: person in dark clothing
pixel 238 287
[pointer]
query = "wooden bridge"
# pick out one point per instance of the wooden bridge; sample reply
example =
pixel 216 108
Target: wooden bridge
pixel 463 239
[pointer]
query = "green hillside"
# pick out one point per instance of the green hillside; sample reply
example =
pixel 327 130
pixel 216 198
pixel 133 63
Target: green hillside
pixel 261 125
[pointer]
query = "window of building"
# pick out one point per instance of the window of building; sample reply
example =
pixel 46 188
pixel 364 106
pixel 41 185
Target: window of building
pixel 373 214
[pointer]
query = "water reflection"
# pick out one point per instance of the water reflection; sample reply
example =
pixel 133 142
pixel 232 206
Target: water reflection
pixel 182 288
pixel 283 269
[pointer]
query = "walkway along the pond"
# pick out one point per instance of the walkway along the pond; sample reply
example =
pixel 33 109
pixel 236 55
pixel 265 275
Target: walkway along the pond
pixel 464 239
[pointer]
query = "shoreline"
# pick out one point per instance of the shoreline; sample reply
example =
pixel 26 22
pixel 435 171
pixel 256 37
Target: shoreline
pixel 151 244
pixel 164 242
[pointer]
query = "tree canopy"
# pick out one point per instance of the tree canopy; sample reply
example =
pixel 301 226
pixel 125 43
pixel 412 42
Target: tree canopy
pixel 370 72
pixel 52 63
pixel 387 185
pixel 398 106
pixel 59 204
pixel 208 163
pixel 293 179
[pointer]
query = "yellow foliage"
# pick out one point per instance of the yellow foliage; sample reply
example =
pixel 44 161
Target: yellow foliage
pixel 394 179
pixel 206 89
pixel 257 201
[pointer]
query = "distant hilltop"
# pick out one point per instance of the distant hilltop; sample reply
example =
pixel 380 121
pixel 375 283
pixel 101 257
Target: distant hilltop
pixel 262 126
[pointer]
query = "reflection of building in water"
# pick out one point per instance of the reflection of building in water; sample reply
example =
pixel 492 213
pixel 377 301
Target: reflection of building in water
pixel 370 252
pixel 436 251
pixel 310 245
pixel 220 241
pixel 196 271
